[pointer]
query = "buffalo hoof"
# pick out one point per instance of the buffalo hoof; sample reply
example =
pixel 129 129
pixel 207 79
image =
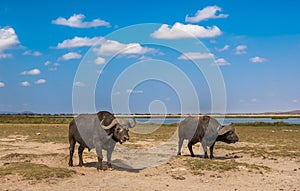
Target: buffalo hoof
pixel 109 167
pixel 178 153
pixel 70 163
pixel 99 167
pixel 193 155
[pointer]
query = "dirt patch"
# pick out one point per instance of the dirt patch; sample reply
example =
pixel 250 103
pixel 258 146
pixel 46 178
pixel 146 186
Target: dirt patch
pixel 241 173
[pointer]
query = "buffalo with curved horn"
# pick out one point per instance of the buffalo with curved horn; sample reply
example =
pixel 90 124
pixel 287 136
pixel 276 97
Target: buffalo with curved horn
pixel 206 130
pixel 99 131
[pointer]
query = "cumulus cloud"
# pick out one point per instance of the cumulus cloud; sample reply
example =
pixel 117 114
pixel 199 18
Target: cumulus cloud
pixel 4 55
pixel 79 84
pixel 226 47
pixel 195 56
pixel 257 59
pixel 70 56
pixel 52 69
pixel 76 21
pixel 221 62
pixel 240 49
pixel 111 47
pixel 99 60
pixel 131 91
pixel 40 81
pixel 8 39
pixel 32 53
pixel 179 30
pixel 253 100
pixel 2 84
pixel 31 72
pixel 47 63
pixel 25 84
pixel 80 42
pixel 209 12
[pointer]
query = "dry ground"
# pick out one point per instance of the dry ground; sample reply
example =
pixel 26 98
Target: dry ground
pixel 246 165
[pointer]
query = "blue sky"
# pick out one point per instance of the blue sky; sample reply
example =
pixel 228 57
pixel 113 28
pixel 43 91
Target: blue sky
pixel 253 44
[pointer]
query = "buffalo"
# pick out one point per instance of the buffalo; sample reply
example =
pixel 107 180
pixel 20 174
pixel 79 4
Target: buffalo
pixel 206 130
pixel 99 131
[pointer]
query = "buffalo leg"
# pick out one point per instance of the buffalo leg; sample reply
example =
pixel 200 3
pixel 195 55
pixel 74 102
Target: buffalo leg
pixel 108 156
pixel 204 146
pixel 72 146
pixel 180 142
pixel 190 146
pixel 100 156
pixel 211 149
pixel 99 165
pixel 80 151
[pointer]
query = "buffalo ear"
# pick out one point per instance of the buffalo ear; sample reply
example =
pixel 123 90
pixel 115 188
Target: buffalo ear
pixel 225 129
pixel 205 119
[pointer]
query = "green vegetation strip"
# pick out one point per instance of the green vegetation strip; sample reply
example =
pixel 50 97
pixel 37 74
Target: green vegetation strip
pixel 36 132
pixel 36 119
pixel 32 171
pixel 197 165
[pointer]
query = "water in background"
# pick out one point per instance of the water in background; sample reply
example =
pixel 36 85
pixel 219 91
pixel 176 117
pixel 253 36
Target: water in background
pixel 223 121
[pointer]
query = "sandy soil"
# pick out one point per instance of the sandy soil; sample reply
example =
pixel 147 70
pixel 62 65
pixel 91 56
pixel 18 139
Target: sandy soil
pixel 167 175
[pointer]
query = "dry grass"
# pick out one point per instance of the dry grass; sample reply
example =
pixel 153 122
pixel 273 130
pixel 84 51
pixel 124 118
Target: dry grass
pixel 32 171
pixel 198 165
pixel 36 132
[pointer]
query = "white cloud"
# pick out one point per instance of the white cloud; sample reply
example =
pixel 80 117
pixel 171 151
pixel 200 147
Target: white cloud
pixel 195 56
pixel 47 63
pixel 241 49
pixel 76 21
pixel 131 91
pixel 257 59
pixel 79 84
pixel 208 12
pixel 294 101
pixel 4 55
pixel 80 42
pixel 226 47
pixel 40 81
pixel 70 56
pixel 25 84
pixel 221 62
pixel 52 69
pixel 8 38
pixel 179 30
pixel 2 84
pixel 143 57
pixel 99 60
pixel 31 72
pixel 32 53
pixel 111 47
pixel 254 100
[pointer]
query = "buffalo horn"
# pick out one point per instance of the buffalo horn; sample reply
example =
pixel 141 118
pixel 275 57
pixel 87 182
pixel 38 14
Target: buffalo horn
pixel 113 123
pixel 132 123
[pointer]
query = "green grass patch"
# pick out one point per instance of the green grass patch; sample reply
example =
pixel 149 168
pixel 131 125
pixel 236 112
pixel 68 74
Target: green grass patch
pixel 32 171
pixel 37 132
pixel 267 141
pixel 163 133
pixel 22 156
pixel 266 124
pixel 198 165
pixel 36 119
